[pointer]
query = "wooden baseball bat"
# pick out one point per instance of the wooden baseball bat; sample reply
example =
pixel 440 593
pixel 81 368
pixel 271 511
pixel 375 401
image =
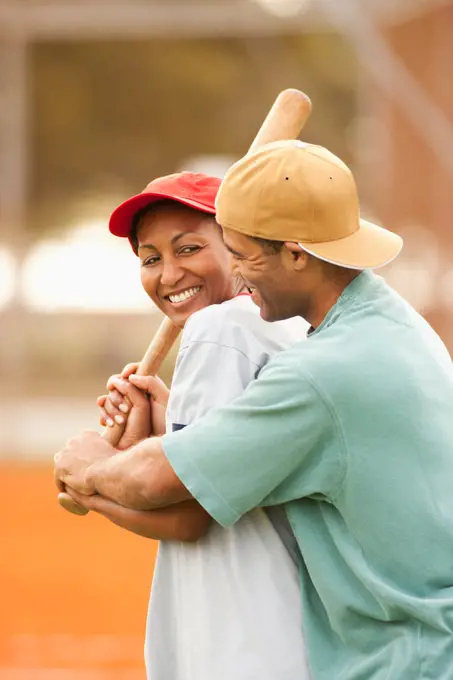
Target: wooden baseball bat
pixel 285 120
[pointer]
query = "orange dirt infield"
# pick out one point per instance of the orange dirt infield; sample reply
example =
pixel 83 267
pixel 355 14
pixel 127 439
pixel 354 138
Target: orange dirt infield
pixel 74 589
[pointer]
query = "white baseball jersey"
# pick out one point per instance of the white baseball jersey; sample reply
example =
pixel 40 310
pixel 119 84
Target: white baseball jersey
pixel 228 606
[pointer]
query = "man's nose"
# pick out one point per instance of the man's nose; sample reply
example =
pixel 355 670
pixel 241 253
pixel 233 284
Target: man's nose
pixel 171 274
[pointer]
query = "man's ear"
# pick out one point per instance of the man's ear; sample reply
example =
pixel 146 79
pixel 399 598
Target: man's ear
pixel 299 257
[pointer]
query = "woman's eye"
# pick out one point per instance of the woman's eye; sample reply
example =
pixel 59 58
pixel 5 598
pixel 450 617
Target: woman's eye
pixel 150 261
pixel 189 250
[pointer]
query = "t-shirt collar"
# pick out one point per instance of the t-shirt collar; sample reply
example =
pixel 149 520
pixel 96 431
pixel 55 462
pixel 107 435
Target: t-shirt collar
pixel 358 287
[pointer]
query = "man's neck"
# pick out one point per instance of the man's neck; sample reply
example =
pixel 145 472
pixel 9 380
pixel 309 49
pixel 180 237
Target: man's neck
pixel 327 295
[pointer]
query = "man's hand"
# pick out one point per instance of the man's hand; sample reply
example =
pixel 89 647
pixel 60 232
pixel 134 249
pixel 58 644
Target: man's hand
pixel 73 462
pixel 93 502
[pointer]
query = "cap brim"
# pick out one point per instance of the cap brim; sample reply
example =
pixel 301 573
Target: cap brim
pixel 370 247
pixel 120 223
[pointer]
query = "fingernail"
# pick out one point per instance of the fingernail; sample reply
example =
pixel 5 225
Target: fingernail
pixel 119 420
pixel 110 422
pixel 124 408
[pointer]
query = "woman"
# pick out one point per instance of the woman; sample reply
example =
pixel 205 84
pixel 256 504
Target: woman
pixel 224 602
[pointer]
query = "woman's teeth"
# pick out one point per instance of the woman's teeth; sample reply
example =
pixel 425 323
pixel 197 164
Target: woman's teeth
pixel 185 295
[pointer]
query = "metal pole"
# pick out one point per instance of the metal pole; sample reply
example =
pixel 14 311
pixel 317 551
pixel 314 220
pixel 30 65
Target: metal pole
pixel 13 191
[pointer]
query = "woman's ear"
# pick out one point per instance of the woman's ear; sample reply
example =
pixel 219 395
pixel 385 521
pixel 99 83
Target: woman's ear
pixel 299 257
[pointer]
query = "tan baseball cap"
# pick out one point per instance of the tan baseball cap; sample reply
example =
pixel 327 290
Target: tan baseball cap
pixel 292 191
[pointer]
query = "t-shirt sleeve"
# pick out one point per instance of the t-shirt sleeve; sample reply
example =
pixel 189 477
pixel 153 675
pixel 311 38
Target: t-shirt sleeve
pixel 277 442
pixel 215 364
pixel 208 375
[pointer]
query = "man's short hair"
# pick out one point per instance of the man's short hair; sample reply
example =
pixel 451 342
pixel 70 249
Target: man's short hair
pixel 269 247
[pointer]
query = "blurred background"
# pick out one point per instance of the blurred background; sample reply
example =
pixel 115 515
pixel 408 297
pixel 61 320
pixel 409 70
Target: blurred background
pixel 97 97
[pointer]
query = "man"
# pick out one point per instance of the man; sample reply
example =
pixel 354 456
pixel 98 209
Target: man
pixel 351 429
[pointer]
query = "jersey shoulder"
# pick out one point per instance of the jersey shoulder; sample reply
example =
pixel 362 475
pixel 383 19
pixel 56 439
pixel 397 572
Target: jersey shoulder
pixel 238 320
pixel 210 322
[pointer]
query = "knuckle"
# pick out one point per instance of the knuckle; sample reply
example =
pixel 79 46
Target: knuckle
pixel 114 376
pixel 116 398
pixel 110 409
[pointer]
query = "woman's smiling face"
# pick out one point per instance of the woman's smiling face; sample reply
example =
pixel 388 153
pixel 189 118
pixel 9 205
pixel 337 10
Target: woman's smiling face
pixel 184 263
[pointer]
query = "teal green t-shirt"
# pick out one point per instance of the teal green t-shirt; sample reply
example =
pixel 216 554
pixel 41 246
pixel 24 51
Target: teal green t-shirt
pixel 352 430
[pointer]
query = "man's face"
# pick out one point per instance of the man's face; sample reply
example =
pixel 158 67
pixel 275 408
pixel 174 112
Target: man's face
pixel 269 274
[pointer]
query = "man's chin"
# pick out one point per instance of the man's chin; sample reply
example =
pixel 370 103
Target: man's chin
pixel 268 315
pixel 255 296
pixel 265 313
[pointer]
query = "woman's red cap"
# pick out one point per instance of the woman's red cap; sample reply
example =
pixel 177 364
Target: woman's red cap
pixel 195 190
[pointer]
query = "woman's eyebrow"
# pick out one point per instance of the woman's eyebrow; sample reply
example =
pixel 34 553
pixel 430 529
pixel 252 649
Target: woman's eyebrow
pixel 175 239
pixel 183 233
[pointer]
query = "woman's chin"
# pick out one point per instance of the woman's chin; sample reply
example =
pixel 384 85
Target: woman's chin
pixel 179 313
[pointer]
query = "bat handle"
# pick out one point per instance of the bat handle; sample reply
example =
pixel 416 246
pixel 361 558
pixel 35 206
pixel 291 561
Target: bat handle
pixel 69 504
pixel 160 346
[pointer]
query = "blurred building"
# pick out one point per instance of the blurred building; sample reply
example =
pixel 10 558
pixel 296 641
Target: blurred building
pixel 97 97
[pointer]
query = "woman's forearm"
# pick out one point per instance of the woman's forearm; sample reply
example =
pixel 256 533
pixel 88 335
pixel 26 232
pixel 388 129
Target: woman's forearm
pixel 185 522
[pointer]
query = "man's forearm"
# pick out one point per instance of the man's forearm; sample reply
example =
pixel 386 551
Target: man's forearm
pixel 140 478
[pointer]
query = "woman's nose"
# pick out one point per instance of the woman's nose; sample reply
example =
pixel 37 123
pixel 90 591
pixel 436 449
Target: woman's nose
pixel 171 274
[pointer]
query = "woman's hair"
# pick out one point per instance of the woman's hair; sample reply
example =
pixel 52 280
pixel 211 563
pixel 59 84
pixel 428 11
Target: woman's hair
pixel 133 237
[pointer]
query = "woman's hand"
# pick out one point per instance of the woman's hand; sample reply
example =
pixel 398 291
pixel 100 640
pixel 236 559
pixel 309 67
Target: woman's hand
pixel 114 406
pixel 138 422
pixel 123 404
pixel 159 395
